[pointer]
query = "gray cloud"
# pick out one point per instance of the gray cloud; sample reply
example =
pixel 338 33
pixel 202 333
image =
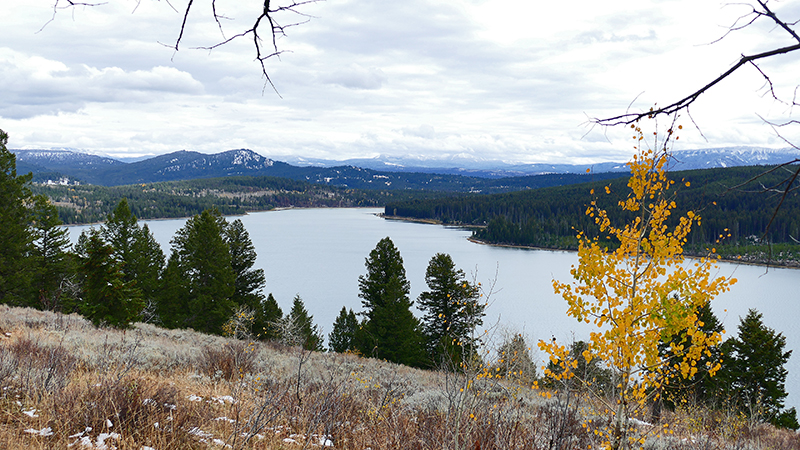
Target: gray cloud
pixel 356 77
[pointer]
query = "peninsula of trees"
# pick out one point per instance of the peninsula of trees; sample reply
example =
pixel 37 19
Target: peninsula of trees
pixel 734 222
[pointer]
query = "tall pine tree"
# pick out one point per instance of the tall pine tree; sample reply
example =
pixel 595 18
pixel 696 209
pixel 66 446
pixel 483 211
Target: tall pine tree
pixel 14 234
pixel 249 282
pixel 199 280
pixel 53 267
pixel 452 312
pixel 107 298
pixel 135 247
pixel 390 330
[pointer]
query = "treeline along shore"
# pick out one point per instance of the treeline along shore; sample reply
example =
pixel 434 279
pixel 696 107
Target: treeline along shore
pixel 739 222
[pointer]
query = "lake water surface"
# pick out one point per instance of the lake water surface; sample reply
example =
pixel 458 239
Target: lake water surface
pixel 319 254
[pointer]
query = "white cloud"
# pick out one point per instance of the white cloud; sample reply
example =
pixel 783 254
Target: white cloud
pixel 505 79
pixel 34 86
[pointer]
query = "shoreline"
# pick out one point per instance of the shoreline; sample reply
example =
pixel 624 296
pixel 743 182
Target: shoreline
pixel 280 208
pixel 793 264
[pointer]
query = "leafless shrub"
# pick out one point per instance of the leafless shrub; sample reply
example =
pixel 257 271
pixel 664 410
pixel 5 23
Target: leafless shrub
pixel 232 360
pixel 40 369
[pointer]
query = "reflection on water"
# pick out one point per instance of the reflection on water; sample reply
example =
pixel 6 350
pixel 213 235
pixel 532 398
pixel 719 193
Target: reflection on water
pixel 319 254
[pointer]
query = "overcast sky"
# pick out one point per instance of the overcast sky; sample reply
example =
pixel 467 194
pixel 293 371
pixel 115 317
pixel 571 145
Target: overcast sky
pixel 500 79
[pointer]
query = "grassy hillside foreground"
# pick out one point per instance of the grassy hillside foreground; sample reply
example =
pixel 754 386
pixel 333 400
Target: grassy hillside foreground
pixel 66 384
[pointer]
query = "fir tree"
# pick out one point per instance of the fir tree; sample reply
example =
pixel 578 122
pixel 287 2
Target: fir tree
pixel 52 266
pixel 390 331
pixel 249 282
pixel 309 334
pixel 135 247
pixel 343 336
pixel 15 238
pixel 171 300
pixel 200 280
pixel 107 298
pixel 452 312
pixel 753 371
pixel 267 315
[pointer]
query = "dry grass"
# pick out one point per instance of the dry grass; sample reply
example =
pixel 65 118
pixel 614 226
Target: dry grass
pixel 67 384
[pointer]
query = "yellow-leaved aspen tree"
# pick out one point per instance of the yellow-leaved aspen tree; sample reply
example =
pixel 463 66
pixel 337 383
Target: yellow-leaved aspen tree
pixel 637 288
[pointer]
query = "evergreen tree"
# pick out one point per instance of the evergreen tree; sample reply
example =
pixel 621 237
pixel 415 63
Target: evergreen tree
pixel 452 312
pixel 53 268
pixel 249 282
pixel 267 315
pixel 589 375
pixel 107 298
pixel 147 265
pixel 753 370
pixel 200 280
pixel 514 360
pixel 135 247
pixel 343 335
pixel 390 330
pixel 15 238
pixel 309 334
pixel 172 297
pixel 700 387
pixel 119 231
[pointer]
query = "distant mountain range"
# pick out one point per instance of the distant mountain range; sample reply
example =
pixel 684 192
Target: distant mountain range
pixel 682 160
pixel 455 174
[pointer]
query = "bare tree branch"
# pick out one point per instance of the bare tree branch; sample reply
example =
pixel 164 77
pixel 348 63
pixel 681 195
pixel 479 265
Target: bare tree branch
pixel 265 22
pixel 628 118
pixel 741 23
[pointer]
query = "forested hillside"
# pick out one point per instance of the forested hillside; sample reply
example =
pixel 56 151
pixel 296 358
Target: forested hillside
pixel 230 195
pixel 550 217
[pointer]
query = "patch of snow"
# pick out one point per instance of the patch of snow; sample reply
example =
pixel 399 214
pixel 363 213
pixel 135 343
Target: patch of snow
pixel 220 442
pixel 639 422
pixel 200 433
pixel 85 441
pixel 30 413
pixel 195 398
pixel 103 437
pixel 46 431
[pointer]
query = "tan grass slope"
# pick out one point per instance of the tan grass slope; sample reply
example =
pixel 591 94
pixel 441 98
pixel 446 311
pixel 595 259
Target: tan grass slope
pixel 67 384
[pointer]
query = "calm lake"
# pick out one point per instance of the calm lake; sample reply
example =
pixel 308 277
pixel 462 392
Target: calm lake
pixel 319 254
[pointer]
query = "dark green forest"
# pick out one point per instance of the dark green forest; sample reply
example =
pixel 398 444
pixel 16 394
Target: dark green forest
pixel 551 217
